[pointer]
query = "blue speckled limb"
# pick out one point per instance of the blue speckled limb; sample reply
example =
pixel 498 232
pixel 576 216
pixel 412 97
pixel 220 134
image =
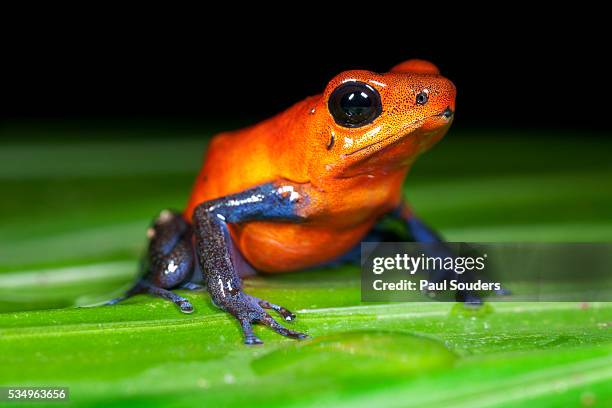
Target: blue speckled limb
pixel 169 261
pixel 216 252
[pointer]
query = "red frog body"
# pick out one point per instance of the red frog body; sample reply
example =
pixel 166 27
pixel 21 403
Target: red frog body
pixel 351 175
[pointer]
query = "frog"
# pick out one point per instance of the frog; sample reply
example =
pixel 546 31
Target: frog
pixel 299 190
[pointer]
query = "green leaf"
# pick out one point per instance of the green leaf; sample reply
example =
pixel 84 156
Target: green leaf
pixel 73 229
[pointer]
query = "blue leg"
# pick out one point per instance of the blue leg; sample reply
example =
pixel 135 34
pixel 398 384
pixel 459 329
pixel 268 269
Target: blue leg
pixel 169 261
pixel 217 254
pixel 415 231
pixel 424 234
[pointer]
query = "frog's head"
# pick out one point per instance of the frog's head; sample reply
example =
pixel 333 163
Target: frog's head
pixel 366 121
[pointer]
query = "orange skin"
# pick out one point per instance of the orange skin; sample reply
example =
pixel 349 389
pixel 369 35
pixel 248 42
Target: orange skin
pixel 345 189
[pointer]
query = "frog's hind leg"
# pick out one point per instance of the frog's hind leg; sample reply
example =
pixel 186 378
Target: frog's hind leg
pixel 420 232
pixel 169 262
pixel 353 255
pixel 414 230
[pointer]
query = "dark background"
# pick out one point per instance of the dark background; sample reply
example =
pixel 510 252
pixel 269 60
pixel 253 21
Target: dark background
pixel 512 76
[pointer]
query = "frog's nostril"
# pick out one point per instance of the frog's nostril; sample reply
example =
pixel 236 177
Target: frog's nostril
pixel 447 113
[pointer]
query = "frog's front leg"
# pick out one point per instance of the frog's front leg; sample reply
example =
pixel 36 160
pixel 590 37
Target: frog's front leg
pixel 217 253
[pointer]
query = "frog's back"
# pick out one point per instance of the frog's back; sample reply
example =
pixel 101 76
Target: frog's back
pixel 234 161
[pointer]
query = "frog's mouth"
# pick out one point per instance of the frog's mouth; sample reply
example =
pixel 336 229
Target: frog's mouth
pixel 446 115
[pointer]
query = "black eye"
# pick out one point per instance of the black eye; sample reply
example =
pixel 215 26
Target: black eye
pixel 354 104
pixel 422 98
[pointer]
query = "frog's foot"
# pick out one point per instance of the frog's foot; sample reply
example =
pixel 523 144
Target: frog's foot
pixel 469 298
pixel 248 309
pixel 181 302
pixel 146 287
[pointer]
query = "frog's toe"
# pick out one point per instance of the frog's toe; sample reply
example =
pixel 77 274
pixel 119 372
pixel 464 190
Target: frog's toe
pixel 280 329
pixel 285 313
pixel 252 341
pixel 185 306
pixel 250 338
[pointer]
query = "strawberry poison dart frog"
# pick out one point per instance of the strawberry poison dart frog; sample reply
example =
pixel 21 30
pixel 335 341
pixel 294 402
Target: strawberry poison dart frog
pixel 300 189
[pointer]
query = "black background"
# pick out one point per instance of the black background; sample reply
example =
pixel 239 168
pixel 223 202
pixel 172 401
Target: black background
pixel 516 75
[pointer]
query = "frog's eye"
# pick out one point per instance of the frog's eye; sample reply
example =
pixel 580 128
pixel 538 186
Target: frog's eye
pixel 422 97
pixel 354 104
